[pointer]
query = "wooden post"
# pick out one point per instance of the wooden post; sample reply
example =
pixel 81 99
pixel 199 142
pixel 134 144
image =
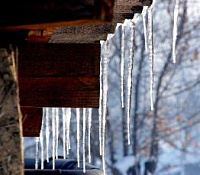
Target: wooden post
pixel 11 156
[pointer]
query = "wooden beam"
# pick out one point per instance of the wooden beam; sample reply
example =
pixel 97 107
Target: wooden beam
pixel 32 120
pixel 123 9
pixel 11 159
pixel 59 75
pixel 59 92
pixel 39 14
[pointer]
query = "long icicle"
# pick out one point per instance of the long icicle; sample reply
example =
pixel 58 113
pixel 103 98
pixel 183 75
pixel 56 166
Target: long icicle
pixel 144 13
pixel 41 139
pixel 175 30
pixel 151 53
pixel 53 137
pixel 100 99
pixel 122 64
pixel 89 133
pixel 57 130
pixel 105 95
pixel 47 133
pixel 84 132
pixel 78 135
pixel 68 129
pixel 130 70
pixel 64 132
pixel 37 140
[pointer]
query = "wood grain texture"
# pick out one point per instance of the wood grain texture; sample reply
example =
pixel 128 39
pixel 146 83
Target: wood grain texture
pixel 59 60
pixel 24 14
pixel 59 75
pixel 32 120
pixel 11 157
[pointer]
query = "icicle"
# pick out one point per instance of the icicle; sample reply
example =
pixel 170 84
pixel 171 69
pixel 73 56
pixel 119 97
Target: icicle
pixel 122 64
pixel 89 133
pixel 84 131
pixel 175 30
pixel 47 133
pixel 57 130
pixel 130 70
pixel 105 94
pixel 53 137
pixel 64 132
pixel 36 152
pixel 68 129
pixel 41 139
pixel 151 53
pixel 144 12
pixel 78 135
pixel 100 99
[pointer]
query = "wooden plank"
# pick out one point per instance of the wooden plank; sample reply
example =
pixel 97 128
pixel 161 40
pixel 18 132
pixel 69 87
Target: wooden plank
pixel 59 75
pixel 59 60
pixel 23 14
pixel 32 120
pixel 11 157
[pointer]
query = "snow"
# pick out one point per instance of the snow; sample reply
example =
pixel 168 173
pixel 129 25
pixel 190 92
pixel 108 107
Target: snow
pixel 124 164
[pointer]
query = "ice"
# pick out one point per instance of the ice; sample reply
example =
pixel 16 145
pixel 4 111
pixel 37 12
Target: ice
pixel 151 53
pixel 41 139
pixel 57 130
pixel 122 64
pixel 100 99
pixel 68 129
pixel 78 135
pixel 175 30
pixel 89 133
pixel 130 70
pixel 53 137
pixel 105 96
pixel 144 13
pixel 47 133
pixel 64 132
pixel 37 140
pixel 84 132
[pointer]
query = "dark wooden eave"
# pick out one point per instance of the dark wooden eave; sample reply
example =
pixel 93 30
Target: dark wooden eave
pixel 60 73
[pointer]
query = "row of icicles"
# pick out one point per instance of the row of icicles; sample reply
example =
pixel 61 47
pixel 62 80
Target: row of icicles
pixel 87 113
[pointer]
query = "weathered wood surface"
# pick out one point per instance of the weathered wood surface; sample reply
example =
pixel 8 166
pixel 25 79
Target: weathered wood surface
pixel 11 157
pixel 123 9
pixel 32 120
pixel 43 13
pixel 59 75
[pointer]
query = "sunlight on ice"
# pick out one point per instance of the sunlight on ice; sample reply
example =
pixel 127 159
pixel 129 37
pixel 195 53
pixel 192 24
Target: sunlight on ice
pixel 151 53
pixel 144 13
pixel 101 99
pixel 64 132
pixel 122 63
pixel 47 132
pixel 89 133
pixel 78 135
pixel 84 132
